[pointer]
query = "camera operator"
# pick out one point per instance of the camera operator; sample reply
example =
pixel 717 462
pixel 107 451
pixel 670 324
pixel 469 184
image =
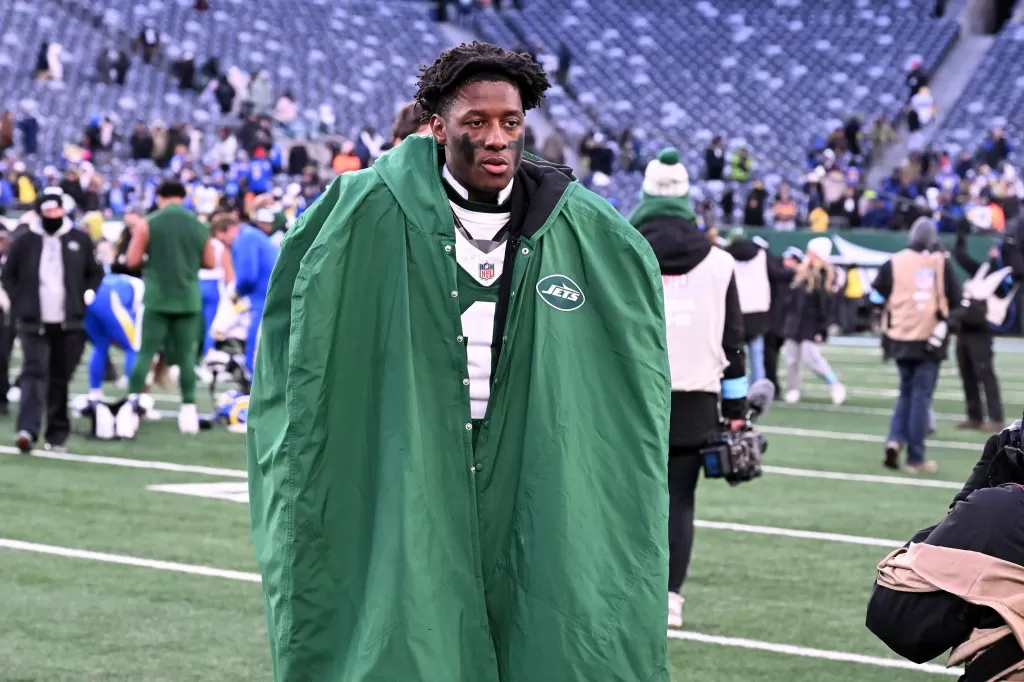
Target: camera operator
pixel 917 288
pixel 956 585
pixel 704 325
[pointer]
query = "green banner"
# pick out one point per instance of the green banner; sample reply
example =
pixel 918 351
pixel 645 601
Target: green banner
pixel 866 247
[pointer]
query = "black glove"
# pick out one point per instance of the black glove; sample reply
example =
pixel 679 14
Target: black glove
pixel 1000 463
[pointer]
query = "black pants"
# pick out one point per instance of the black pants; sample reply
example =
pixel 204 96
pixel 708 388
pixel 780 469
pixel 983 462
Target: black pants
pixel 974 357
pixel 684 467
pixel 6 343
pixel 51 358
pixel 772 346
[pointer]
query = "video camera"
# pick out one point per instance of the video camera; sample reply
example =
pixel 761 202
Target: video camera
pixel 736 455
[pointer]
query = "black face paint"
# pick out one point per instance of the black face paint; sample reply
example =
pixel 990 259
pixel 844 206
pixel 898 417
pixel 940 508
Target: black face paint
pixel 516 146
pixel 468 149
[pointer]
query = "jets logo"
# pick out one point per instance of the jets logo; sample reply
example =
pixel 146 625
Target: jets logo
pixel 560 292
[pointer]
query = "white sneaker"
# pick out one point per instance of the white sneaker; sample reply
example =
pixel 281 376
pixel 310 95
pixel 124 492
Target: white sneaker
pixel 188 420
pixel 838 392
pixel 126 421
pixel 675 610
pixel 792 396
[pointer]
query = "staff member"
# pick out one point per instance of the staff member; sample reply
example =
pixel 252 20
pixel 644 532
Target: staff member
pixel 915 287
pixel 704 323
pixel 50 275
pixel 173 245
pixel 974 343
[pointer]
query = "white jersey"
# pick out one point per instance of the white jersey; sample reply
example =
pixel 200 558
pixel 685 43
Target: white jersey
pixel 481 259
pixel 217 271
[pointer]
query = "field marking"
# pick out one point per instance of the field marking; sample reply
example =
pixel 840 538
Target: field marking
pixel 124 560
pixel 822 389
pixel 805 652
pixel 801 534
pixel 856 409
pixel 862 437
pixel 128 463
pixel 862 478
pixel 208 571
pixel 241 473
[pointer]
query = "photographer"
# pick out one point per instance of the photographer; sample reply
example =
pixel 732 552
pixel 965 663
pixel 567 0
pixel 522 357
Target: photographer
pixel 706 346
pixel 957 585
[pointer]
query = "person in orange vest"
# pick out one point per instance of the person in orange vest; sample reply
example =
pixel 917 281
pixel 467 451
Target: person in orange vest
pixel 346 160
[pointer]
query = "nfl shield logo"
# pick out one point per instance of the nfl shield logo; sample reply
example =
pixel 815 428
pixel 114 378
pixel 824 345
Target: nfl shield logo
pixel 486 271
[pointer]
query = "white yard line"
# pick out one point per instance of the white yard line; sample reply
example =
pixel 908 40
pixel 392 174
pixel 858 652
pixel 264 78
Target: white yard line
pixel 70 553
pixel 801 534
pixel 854 409
pixel 864 437
pixel 241 473
pixel 820 389
pixel 863 478
pixel 208 571
pixel 804 652
pixel 129 463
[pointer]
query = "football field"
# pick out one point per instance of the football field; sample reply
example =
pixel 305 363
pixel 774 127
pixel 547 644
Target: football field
pixel 132 561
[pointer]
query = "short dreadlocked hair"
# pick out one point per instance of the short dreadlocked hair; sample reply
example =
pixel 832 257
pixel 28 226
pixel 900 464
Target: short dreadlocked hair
pixel 475 62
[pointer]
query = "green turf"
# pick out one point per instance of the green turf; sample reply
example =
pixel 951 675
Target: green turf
pixel 78 620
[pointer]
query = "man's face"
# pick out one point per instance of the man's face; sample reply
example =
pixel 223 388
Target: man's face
pixel 483 135
pixel 53 212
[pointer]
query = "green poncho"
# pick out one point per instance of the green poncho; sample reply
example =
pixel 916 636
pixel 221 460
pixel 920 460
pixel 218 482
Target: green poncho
pixel 391 549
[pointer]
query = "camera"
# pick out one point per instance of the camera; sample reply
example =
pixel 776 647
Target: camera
pixel 736 455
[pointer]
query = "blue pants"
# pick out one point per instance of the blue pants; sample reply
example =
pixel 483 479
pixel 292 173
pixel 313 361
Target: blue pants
pixel 255 318
pixel 911 413
pixel 755 350
pixel 210 290
pixel 108 323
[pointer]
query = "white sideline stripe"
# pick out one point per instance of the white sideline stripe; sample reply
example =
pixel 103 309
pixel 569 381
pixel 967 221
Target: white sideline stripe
pixel 241 473
pixel 70 553
pixel 862 478
pixel 128 463
pixel 887 393
pixel 805 652
pixel 862 437
pixel 193 569
pixel 802 534
pixel 853 409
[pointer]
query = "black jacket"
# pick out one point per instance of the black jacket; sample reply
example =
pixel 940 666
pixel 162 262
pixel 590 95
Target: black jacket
pixel 807 313
pixel 680 247
pixel 20 275
pixel 921 626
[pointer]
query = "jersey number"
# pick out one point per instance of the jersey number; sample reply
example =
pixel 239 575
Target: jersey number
pixel 478 330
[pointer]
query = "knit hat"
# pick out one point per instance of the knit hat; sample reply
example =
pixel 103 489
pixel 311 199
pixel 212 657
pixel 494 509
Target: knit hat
pixel 820 247
pixel 666 176
pixel 51 197
pixel 923 234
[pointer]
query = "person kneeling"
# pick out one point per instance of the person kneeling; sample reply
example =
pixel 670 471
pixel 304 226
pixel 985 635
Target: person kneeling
pixel 956 586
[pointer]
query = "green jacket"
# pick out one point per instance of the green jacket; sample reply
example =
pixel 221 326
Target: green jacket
pixel 391 550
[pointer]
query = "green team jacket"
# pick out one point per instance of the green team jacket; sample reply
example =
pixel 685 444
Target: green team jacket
pixel 393 551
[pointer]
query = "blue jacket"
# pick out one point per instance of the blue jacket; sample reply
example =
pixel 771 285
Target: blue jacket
pixel 253 255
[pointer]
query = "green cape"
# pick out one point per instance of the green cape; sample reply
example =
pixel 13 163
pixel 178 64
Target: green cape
pixel 390 547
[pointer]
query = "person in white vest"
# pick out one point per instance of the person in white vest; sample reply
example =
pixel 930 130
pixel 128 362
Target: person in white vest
pixel 754 274
pixel 704 326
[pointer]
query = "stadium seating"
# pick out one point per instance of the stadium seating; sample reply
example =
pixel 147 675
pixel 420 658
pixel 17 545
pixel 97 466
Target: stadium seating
pixel 361 57
pixel 992 98
pixel 773 74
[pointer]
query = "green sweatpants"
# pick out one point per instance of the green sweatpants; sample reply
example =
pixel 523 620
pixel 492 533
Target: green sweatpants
pixel 178 335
